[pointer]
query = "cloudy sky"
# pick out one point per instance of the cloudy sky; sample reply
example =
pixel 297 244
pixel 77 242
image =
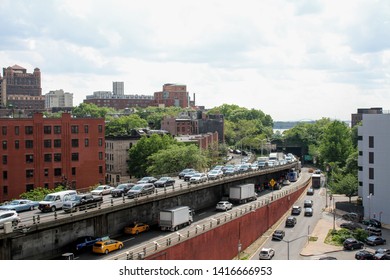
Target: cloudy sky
pixel 292 59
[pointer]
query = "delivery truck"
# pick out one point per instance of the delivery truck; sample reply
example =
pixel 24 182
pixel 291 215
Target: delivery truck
pixel 242 193
pixel 174 218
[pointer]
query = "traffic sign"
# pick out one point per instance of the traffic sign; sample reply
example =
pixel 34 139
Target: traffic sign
pixel 272 182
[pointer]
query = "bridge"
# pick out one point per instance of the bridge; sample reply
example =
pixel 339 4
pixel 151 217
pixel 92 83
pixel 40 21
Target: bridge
pixel 46 235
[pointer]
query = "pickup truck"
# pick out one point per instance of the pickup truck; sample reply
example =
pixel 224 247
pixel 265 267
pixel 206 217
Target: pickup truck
pixel 84 242
pixel 82 202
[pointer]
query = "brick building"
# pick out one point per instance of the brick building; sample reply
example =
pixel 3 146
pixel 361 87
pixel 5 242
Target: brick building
pixel 172 95
pixel 46 152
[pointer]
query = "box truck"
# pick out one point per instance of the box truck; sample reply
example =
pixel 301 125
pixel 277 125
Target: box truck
pixel 242 193
pixel 174 218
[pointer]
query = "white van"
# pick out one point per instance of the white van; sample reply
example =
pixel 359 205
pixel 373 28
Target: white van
pixel 54 201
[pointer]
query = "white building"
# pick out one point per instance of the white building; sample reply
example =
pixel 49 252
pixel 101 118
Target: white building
pixel 118 89
pixel 373 162
pixel 58 98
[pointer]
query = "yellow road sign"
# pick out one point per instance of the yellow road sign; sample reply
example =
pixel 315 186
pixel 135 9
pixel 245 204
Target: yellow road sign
pixel 272 182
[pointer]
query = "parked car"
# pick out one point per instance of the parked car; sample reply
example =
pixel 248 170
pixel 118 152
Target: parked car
pixel 353 217
pixel 382 251
pixel 147 180
pixel 198 178
pixel 140 190
pixel 364 255
pixel 224 206
pixel 296 210
pixel 20 205
pixel 82 202
pixel 308 203
pixel 164 182
pixel 215 174
pixel 188 176
pixel 106 246
pixel 382 256
pixel 291 221
pixel 266 254
pixel 310 191
pixel 278 235
pixel 230 171
pixel 121 189
pixel 9 216
pixel 350 225
pixel 184 172
pixel 374 231
pixel 102 190
pixel 308 212
pixel 136 228
pixel 374 240
pixel 372 222
pixel 352 244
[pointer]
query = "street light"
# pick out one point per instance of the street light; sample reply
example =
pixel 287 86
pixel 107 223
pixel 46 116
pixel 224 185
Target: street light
pixel 288 244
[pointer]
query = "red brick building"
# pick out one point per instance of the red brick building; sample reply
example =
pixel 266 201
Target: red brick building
pixel 172 95
pixel 46 152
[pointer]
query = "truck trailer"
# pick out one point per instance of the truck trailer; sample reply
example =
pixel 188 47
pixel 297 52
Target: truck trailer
pixel 174 218
pixel 242 193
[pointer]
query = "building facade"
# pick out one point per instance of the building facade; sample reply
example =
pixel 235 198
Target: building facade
pixel 373 164
pixel 358 117
pixel 47 152
pixel 172 95
pixel 58 99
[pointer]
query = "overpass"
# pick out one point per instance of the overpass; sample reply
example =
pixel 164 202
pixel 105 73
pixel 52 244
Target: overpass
pixel 46 236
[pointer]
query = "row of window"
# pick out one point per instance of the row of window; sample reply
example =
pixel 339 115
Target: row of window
pixel 50 157
pixel 56 143
pixel 48 129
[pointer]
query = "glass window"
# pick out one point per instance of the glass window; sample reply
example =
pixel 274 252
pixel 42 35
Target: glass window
pixel 100 155
pixel 57 129
pixel 57 143
pixel 46 172
pixel 73 170
pixel 75 143
pixel 75 156
pixel 47 157
pixel 16 130
pixel 100 169
pixel 4 145
pixel 371 173
pixel 57 171
pixel 28 130
pixel 4 130
pixel 371 141
pixel 47 143
pixel 29 173
pixel 47 129
pixel 100 128
pixel 370 157
pixel 86 128
pixel 86 142
pixel 57 157
pixel 100 142
pixel 16 144
pixel 371 189
pixel 5 159
pixel 29 158
pixel 5 175
pixel 74 129
pixel 29 144
pixel 5 189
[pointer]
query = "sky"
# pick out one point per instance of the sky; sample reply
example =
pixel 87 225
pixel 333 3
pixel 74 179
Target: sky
pixel 292 59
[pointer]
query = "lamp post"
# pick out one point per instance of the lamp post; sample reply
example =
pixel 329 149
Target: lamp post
pixel 288 244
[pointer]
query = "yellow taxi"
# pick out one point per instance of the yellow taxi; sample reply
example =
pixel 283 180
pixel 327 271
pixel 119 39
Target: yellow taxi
pixel 136 228
pixel 107 246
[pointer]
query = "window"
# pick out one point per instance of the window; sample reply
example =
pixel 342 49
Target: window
pixel 100 155
pixel 5 159
pixel 100 128
pixel 371 173
pixel 47 143
pixel 74 129
pixel 57 157
pixel 29 173
pixel 86 142
pixel 5 189
pixel 360 153
pixel 5 175
pixel 360 168
pixel 47 129
pixel 28 130
pixel 29 144
pixel 46 172
pixel 371 141
pixel 29 158
pixel 371 189
pixel 16 130
pixel 47 157
pixel 17 144
pixel 100 169
pixel 86 128
pixel 4 130
pixel 360 138
pixel 57 143
pixel 57 172
pixel 100 142
pixel 4 145
pixel 75 156
pixel 73 170
pixel 57 129
pixel 75 143
pixel 360 183
pixel 370 157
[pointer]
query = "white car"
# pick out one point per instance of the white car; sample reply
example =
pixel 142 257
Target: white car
pixel 266 254
pixel 9 216
pixel 224 206
pixel 215 174
pixel 198 178
pixel 102 190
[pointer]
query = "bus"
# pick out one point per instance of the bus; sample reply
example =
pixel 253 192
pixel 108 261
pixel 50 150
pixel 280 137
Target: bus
pixel 317 181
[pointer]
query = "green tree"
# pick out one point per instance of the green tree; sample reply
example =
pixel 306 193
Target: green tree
pixel 39 194
pixel 347 185
pixel 91 110
pixel 124 124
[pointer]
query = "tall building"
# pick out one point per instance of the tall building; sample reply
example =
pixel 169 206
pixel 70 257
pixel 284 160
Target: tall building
pixel 172 95
pixel 358 117
pixel 47 152
pixel 58 99
pixel 373 164
pixel 118 89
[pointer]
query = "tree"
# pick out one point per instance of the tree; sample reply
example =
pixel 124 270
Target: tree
pixel 124 124
pixel 39 194
pixel 347 185
pixel 91 110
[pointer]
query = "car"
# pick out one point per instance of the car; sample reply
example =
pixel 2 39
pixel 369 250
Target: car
pixel 310 191
pixel 121 189
pixel 266 254
pixel 164 182
pixel 188 175
pixel 308 203
pixel 20 205
pixel 350 225
pixel 382 251
pixel 215 174
pixel 353 217
pixel 82 202
pixel 106 246
pixel 364 255
pixel 140 190
pixel 374 240
pixel 84 242
pixel 136 228
pixel 102 190
pixel 296 210
pixel 374 231
pixel 291 221
pixel 278 235
pixel 224 205
pixel 9 216
pixel 230 171
pixel 372 222
pixel 198 178
pixel 184 172
pixel 308 212
pixel 147 180
pixel 352 244
pixel 382 256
